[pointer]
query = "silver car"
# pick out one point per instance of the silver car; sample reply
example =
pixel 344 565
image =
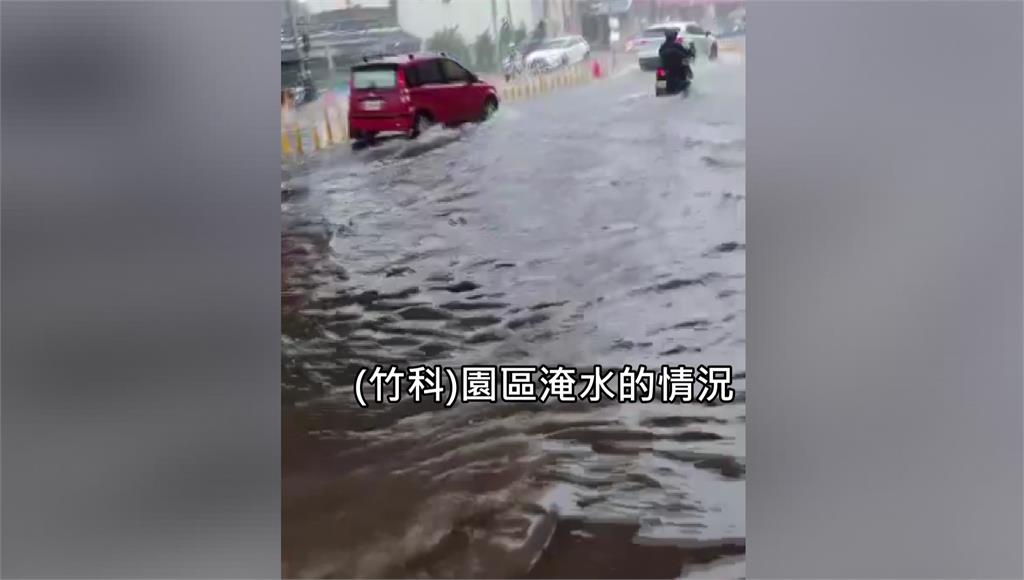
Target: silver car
pixel 691 34
pixel 558 52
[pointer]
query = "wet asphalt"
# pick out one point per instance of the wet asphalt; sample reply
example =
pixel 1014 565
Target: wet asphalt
pixel 596 225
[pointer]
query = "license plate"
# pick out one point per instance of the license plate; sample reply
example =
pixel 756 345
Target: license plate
pixel 662 84
pixel 372 105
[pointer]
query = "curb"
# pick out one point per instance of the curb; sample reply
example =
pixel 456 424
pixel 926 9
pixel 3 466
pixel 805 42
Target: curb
pixel 740 48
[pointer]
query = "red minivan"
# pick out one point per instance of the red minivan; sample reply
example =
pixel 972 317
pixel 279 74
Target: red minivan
pixel 408 94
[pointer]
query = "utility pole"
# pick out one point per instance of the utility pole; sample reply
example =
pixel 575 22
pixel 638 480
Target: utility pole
pixel 301 48
pixel 293 30
pixel 497 33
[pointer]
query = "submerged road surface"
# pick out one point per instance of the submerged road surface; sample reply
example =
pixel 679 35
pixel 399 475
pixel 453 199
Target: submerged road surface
pixel 597 225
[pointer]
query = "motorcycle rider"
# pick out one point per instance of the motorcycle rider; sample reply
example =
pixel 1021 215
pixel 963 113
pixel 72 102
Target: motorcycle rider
pixel 675 59
pixel 513 64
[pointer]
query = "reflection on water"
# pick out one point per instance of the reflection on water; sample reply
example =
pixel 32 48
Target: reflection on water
pixel 545 237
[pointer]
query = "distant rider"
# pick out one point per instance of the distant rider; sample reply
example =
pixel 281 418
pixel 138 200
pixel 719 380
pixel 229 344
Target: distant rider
pixel 513 62
pixel 675 58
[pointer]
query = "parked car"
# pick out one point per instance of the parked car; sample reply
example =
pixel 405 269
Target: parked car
pixel 646 46
pixel 557 53
pixel 408 94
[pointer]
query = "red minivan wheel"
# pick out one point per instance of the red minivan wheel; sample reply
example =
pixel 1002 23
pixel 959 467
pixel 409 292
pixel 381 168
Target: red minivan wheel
pixel 490 108
pixel 420 123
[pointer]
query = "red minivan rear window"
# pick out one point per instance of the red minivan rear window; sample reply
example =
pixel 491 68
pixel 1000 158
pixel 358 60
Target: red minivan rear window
pixel 375 78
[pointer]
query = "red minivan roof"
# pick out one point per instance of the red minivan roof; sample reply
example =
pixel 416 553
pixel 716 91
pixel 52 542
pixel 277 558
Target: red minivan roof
pixel 396 59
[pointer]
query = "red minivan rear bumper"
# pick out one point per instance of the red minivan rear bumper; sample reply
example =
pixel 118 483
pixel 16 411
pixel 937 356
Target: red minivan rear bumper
pixel 398 123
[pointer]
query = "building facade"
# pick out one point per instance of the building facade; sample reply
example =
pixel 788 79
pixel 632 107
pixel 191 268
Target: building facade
pixel 424 18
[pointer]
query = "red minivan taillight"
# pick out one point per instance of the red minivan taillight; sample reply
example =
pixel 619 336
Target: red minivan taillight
pixel 661 73
pixel 403 87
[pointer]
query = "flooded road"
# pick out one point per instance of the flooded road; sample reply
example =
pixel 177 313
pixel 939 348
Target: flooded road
pixel 596 225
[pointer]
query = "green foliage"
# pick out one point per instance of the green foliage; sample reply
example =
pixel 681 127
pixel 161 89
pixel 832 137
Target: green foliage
pixel 483 49
pixel 450 42
pixel 520 34
pixel 505 37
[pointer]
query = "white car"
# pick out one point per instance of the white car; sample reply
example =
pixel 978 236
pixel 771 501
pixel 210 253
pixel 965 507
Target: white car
pixel 558 52
pixel 691 34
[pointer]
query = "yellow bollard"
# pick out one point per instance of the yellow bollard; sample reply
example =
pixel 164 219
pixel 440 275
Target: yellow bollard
pixel 286 145
pixel 316 138
pixel 330 131
pixel 298 142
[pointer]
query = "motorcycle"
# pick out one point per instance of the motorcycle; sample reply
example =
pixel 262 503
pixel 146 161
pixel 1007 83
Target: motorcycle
pixel 667 84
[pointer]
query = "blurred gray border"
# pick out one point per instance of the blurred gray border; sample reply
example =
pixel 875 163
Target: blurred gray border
pixel 885 289
pixel 140 271
pixel 141 289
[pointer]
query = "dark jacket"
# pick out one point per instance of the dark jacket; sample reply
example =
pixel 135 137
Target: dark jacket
pixel 675 59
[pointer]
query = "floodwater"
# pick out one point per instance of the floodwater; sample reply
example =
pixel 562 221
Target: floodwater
pixel 597 225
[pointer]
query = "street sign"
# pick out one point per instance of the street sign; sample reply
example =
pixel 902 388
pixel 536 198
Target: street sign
pixel 613 36
pixel 613 23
